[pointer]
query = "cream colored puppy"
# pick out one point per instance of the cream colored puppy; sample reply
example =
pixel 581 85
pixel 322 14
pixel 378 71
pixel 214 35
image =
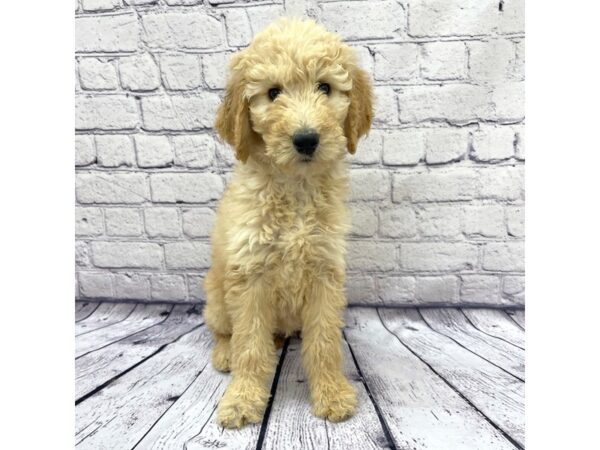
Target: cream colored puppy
pixel 294 103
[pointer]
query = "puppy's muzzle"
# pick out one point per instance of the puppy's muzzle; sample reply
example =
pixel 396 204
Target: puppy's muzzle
pixel 306 141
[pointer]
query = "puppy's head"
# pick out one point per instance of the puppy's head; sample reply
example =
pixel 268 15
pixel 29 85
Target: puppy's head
pixel 295 98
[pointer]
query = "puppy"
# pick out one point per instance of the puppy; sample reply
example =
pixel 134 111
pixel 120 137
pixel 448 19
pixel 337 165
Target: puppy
pixel 294 103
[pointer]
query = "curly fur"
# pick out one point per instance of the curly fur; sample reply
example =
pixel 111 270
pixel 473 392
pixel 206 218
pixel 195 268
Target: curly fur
pixel 278 245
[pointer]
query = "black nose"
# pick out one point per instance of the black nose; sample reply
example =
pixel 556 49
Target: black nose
pixel 306 141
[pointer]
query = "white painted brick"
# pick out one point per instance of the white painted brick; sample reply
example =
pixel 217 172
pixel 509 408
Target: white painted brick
pixel 435 185
pixel 95 285
pixel 377 19
pixel 140 2
pixel 85 153
pixel 502 183
pixel 123 222
pixel 513 285
pixel 515 220
pixel 386 106
pixel 369 184
pixel 507 99
pixel 179 113
pixel 214 67
pixel 393 289
pixel 112 188
pixel 118 33
pixel 139 73
pixel 504 256
pixel 182 2
pixel 261 16
pixel 198 222
pixel 518 69
pixel 196 287
pixel 162 222
pixel 82 254
pixel 108 112
pixel 439 256
pixel 403 147
pixel 484 221
pixel 520 143
pixel 127 255
pixel 99 5
pixel 369 149
pixel 185 187
pixel 491 60
pixel 225 154
pixel 398 222
pixel 153 151
pixel 445 145
pixel 168 287
pixel 364 58
pixel 512 18
pixel 361 290
pixel 89 222
pixel 179 30
pixel 363 219
pixel 195 151
pixel 239 32
pixel 396 62
pixel 132 286
pixel 442 221
pixel 97 74
pixel 493 143
pixel 479 289
pixel 187 255
pixel 372 256
pixel 181 71
pixel 115 150
pixel 442 289
pixel 444 61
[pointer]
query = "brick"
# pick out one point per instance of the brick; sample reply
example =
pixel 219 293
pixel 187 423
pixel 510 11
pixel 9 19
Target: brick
pixel 513 285
pixel 97 74
pixel 185 187
pixel 512 17
pixel 153 151
pixel 372 256
pixel 504 256
pixel 403 147
pixel 492 60
pixel 85 153
pixel 99 5
pixel 360 290
pixel 225 154
pixel 239 32
pixel 139 73
pixel 196 287
pixel 214 68
pixel 127 255
pixel 394 289
pixel 364 58
pixel 518 68
pixel 398 222
pixel 520 143
pixel 107 112
pixel 181 72
pixel 179 113
pixel 198 222
pixel 369 149
pixel 168 287
pixel 261 16
pixel 123 222
pixel 140 2
pixel 183 2
pixel 112 188
pixel 369 184
pixel 479 289
pixel 115 150
pixel 195 151
pixel 445 145
pixel 442 221
pixel 386 106
pixel 132 286
pixel 501 183
pixel 162 222
pixel 118 33
pixel 493 143
pixel 508 100
pixel 515 220
pixel 396 62
pixel 174 30
pixel 95 285
pixel 435 185
pixel 82 254
pixel 438 256
pixel 444 61
pixel 442 289
pixel 363 219
pixel 484 221
pixel 89 222
pixel 187 255
pixel 377 19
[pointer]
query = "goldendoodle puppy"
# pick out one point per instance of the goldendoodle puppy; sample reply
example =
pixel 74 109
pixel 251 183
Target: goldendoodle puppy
pixel 294 103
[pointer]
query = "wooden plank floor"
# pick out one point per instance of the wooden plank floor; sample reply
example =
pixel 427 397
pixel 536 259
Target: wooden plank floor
pixel 445 378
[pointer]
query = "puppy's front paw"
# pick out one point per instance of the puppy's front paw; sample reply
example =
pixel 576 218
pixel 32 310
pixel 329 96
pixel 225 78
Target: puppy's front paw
pixel 334 401
pixel 241 404
pixel 221 355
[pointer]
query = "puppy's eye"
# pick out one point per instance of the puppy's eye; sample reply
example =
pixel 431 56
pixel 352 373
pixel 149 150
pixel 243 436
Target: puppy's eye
pixel 325 88
pixel 273 93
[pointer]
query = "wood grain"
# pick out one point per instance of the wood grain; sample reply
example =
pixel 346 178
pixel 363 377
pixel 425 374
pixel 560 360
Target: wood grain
pixel 496 323
pixel 106 314
pixel 84 309
pixel 518 316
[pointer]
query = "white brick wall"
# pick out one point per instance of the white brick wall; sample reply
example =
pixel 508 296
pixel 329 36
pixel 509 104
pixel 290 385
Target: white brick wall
pixel 437 192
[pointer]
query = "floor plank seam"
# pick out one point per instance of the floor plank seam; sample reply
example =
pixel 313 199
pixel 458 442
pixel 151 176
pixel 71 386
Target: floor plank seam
pixel 454 388
pixel 108 324
pixel 92 312
pixel 486 333
pixel 513 319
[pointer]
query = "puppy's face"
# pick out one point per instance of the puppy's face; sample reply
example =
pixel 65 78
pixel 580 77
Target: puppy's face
pixel 295 99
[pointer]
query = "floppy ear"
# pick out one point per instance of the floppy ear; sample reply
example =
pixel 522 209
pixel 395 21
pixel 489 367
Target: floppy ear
pixel 360 111
pixel 233 117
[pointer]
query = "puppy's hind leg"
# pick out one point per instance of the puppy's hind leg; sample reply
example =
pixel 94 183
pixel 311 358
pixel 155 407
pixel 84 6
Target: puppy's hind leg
pixel 217 319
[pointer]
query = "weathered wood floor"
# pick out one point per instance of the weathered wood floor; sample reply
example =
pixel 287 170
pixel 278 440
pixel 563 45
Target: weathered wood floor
pixel 445 379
